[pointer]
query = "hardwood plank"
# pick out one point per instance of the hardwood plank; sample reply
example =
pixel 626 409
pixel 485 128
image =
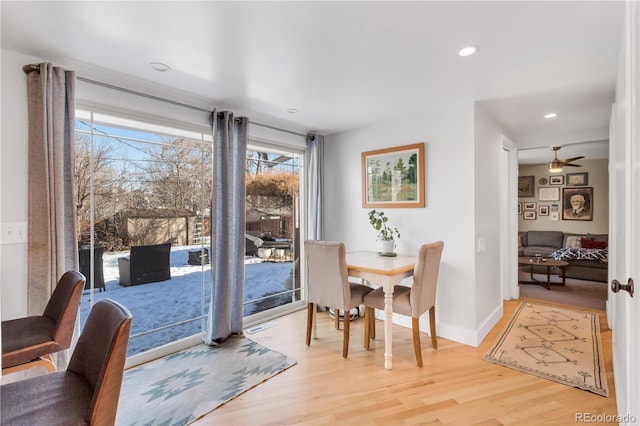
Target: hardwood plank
pixel 455 386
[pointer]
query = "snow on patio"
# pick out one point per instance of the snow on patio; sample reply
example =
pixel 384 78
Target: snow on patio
pixel 158 304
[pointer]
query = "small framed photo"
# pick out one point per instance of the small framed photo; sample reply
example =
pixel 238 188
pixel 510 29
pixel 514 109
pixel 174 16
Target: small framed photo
pixel 556 180
pixel 549 194
pixel 543 210
pixel 529 215
pixel 577 179
pixel 529 206
pixel 577 203
pixel 519 208
pixel 526 186
pixel 555 216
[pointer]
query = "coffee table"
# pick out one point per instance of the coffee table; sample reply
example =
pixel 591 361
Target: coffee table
pixel 549 263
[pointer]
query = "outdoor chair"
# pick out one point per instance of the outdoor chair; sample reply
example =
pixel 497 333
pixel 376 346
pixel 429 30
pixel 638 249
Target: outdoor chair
pixel 145 264
pixel 84 260
pixel 411 301
pixel 87 392
pixel 28 342
pixel 328 285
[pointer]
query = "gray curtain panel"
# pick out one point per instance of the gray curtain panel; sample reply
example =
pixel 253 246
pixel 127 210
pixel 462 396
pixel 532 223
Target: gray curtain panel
pixel 51 219
pixel 315 164
pixel 52 248
pixel 227 227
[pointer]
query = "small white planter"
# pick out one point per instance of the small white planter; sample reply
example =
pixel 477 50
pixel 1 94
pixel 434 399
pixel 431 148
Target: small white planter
pixel 387 246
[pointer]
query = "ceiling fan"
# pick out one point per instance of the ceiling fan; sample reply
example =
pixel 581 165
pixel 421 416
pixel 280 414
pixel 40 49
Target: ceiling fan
pixel 556 165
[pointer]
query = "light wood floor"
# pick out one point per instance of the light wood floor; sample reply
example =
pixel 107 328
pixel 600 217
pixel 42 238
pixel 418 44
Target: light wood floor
pixel 455 386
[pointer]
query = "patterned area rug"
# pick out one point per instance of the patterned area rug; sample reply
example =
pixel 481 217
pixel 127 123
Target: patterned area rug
pixel 553 343
pixel 180 388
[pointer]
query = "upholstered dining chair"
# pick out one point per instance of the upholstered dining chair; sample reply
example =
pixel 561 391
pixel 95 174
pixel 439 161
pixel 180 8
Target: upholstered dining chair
pixel 328 285
pixel 411 301
pixel 87 392
pixel 28 342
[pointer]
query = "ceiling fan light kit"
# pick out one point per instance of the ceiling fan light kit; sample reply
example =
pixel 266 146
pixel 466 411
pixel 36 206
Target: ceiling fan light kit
pixel 556 165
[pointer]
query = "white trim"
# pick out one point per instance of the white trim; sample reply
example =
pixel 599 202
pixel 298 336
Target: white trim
pixel 509 220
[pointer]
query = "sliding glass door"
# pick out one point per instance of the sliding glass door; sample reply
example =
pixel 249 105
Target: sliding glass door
pixel 272 262
pixel 143 212
pixel 143 197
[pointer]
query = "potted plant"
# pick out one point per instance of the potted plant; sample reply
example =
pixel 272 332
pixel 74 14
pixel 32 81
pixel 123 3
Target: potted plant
pixel 386 234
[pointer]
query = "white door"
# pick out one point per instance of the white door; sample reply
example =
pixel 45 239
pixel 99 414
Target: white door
pixel 624 248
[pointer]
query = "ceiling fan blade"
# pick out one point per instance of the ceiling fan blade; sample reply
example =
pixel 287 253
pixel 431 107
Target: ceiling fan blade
pixel 572 165
pixel 569 160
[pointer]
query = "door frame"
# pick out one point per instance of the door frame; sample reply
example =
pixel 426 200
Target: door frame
pixel 509 220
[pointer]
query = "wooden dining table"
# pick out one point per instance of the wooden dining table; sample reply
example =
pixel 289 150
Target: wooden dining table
pixel 385 271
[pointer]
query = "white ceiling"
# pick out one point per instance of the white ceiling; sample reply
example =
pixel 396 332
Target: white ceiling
pixel 346 65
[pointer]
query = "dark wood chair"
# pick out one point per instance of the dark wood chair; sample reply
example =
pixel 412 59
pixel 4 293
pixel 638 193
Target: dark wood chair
pixel 145 264
pixel 29 342
pixel 87 392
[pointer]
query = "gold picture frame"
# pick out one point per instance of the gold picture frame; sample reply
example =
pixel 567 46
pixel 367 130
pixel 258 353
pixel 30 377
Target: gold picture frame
pixel 393 177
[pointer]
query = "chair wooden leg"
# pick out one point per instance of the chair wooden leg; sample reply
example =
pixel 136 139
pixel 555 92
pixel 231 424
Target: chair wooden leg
pixel 415 326
pixel 310 308
pixel 372 324
pixel 367 327
pixel 345 339
pixel 432 327
pixel 336 319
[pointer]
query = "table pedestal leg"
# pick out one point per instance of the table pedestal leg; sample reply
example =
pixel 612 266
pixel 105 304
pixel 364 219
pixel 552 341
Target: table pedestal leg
pixel 388 323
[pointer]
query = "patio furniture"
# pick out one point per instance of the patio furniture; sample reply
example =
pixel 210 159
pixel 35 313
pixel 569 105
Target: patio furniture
pixel 84 259
pixel 87 392
pixel 29 342
pixel 197 257
pixel 145 264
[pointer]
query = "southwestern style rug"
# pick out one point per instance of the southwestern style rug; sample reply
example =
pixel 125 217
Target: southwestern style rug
pixel 553 343
pixel 180 388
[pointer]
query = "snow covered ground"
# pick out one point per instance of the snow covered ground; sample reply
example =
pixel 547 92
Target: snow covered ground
pixel 155 305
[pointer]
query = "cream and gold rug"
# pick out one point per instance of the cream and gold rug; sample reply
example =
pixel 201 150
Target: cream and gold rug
pixel 553 343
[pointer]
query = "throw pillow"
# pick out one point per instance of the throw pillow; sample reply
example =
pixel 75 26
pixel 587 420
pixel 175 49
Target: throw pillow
pixel 599 255
pixel 564 254
pixel 592 244
pixel 574 241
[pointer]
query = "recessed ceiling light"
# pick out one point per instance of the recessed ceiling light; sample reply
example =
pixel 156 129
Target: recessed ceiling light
pixel 159 66
pixel 467 51
pixel 551 115
pixel 293 110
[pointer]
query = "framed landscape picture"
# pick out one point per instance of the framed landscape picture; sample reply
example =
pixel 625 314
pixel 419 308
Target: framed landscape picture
pixel 530 206
pixel 393 177
pixel 529 215
pixel 556 180
pixel 526 186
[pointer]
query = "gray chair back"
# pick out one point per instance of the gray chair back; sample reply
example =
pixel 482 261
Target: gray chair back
pixel 425 278
pixel 327 274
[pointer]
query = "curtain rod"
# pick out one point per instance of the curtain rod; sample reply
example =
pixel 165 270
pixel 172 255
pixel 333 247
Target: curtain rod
pixel 36 67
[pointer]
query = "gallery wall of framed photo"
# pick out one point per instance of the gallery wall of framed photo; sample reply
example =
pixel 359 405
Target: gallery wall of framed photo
pixel 575 200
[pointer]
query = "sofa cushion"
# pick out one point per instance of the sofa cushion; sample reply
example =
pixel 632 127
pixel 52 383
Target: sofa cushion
pixel 545 238
pixel 573 241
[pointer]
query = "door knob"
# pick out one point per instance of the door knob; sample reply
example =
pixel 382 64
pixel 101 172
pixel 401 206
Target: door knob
pixel 616 286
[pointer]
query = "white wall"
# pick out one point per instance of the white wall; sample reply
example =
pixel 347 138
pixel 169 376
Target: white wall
pixel 448 134
pixel 13 181
pixel 488 164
